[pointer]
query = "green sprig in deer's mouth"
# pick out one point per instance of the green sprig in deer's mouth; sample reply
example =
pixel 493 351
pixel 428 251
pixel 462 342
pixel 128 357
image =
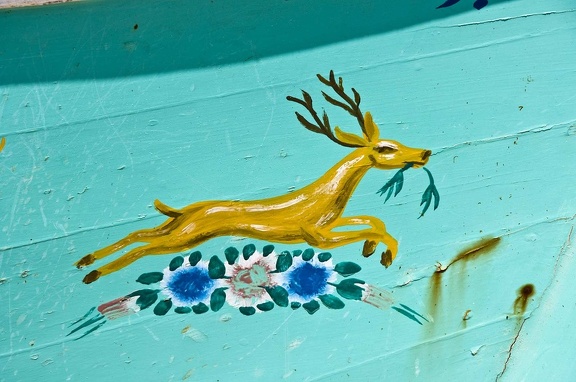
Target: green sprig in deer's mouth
pixel 395 184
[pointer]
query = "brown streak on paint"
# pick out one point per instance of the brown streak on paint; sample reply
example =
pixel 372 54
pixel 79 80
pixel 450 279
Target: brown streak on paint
pixel 465 319
pixel 480 248
pixel 521 302
pixel 474 252
pixel 435 293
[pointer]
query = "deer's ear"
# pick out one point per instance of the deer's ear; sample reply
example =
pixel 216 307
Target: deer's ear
pixel 349 138
pixel 370 129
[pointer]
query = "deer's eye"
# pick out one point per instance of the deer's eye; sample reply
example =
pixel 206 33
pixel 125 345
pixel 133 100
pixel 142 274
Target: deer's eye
pixel 385 149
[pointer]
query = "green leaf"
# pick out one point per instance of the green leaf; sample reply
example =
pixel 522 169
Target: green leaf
pixel 295 305
pixel 268 249
pixel 194 258
pixel 324 256
pixel 150 278
pixel 200 308
pixel 311 306
pixel 231 254
pixel 248 251
pixel 296 252
pixel 399 183
pixel 176 263
pixel 278 294
pixel 217 299
pixel 331 301
pixel 182 309
pixel 162 307
pixel 283 262
pixel 347 268
pixel 146 299
pixel 247 310
pixel 216 269
pixel 308 254
pixel 407 314
pixel 349 290
pixel 265 306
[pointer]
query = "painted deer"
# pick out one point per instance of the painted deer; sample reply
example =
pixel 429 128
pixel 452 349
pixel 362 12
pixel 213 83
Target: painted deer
pixel 308 215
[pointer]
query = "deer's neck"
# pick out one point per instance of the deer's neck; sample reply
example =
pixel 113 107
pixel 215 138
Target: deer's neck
pixel 338 183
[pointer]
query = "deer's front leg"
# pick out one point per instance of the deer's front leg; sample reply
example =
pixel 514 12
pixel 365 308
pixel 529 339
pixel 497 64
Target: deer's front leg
pixel 326 238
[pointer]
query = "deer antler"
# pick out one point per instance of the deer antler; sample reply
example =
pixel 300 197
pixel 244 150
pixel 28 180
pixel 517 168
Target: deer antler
pixel 323 125
pixel 353 107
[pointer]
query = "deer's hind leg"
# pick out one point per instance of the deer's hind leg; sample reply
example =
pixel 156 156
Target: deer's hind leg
pixel 143 235
pixel 326 238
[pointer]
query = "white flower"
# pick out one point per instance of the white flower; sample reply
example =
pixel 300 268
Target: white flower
pixel 246 279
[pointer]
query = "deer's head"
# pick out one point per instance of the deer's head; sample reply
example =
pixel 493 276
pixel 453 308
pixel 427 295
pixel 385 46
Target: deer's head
pixel 384 154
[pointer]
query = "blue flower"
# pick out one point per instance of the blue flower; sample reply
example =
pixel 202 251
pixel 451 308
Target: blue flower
pixel 188 285
pixel 309 278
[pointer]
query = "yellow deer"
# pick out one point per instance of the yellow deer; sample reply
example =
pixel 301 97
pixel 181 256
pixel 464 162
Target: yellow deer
pixel 309 215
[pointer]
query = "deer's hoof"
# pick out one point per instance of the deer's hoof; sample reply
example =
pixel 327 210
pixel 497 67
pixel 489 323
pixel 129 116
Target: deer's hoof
pixel 386 258
pixel 91 277
pixel 86 260
pixel 369 248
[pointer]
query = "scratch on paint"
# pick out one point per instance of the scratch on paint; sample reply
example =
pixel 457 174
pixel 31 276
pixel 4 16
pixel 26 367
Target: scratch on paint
pixel 562 252
pixel 504 19
pixel 537 129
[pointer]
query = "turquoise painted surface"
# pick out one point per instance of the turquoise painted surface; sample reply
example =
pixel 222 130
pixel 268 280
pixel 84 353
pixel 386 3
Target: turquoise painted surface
pixel 101 118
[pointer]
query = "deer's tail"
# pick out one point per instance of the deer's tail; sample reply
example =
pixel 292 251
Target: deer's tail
pixel 166 210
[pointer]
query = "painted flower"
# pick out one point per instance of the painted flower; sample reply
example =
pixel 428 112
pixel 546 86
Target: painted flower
pixel 251 281
pixel 248 276
pixel 188 285
pixel 311 277
pixel 308 279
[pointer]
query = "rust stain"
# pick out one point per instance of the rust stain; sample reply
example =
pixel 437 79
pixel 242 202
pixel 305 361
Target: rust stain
pixel 435 293
pixel 471 253
pixel 467 315
pixel 521 302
